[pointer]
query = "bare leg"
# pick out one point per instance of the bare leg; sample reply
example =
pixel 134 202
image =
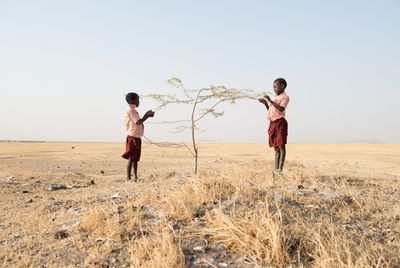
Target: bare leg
pixel 282 150
pixel 129 170
pixel 277 157
pixel 135 168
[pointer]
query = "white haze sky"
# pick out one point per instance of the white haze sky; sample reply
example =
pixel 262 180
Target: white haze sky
pixel 66 65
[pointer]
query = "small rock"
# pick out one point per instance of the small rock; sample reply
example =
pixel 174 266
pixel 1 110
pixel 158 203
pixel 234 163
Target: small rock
pixel 101 171
pixel 300 187
pixel 77 209
pixel 61 234
pixel 200 212
pixel 17 235
pixel 57 186
pixel 100 197
pixel 92 182
pixel 115 196
pixel 222 265
pixel 25 192
pixel 10 179
pixel 29 201
pixel 199 249
pixel 278 197
pixel 72 147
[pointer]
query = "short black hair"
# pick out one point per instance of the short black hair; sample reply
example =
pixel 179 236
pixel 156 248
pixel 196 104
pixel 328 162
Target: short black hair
pixel 281 81
pixel 131 96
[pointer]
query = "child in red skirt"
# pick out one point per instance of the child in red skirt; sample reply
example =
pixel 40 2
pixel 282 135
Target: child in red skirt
pixel 134 131
pixel 278 127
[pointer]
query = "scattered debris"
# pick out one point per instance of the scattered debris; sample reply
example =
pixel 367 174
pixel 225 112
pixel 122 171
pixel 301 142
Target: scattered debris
pixel 76 210
pixel 101 240
pixel 170 175
pixel 60 186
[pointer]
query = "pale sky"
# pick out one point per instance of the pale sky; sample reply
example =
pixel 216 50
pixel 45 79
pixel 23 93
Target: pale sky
pixel 66 65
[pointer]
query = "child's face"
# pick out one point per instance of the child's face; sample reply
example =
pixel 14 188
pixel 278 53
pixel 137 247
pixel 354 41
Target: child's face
pixel 278 88
pixel 136 102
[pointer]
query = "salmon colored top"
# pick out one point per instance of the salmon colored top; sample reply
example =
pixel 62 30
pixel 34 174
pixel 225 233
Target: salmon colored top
pixel 282 100
pixel 131 117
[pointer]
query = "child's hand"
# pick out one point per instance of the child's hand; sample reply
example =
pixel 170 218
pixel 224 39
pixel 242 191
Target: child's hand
pixel 267 97
pixel 150 113
pixel 262 100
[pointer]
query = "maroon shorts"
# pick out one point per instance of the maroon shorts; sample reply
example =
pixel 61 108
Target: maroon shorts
pixel 277 132
pixel 133 148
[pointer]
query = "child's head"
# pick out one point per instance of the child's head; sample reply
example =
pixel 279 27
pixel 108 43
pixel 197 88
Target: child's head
pixel 280 86
pixel 132 98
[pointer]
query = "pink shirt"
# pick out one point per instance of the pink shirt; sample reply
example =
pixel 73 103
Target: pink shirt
pixel 281 100
pixel 131 117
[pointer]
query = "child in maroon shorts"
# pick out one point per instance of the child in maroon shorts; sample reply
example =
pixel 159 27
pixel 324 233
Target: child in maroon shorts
pixel 278 127
pixel 134 131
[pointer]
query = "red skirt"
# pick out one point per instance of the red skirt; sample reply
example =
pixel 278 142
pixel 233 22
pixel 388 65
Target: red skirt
pixel 277 132
pixel 133 148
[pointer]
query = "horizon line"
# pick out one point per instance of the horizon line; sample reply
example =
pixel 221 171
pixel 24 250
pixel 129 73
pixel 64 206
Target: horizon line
pixel 203 142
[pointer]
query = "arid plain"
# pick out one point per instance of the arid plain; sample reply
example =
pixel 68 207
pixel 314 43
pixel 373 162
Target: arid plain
pixel 335 205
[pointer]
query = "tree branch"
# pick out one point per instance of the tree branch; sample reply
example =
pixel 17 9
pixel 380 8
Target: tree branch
pixel 210 110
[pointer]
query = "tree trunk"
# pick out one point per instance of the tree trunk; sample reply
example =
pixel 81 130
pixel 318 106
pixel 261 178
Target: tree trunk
pixel 196 152
pixel 195 163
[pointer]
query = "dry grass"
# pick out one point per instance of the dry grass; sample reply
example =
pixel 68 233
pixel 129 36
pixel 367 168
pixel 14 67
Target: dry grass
pixel 341 211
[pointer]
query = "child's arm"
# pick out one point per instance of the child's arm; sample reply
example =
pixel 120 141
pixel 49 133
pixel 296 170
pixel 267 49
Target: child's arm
pixel 148 114
pixel 264 101
pixel 277 106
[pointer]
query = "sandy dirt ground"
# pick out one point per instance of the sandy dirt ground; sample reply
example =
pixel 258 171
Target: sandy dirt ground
pixel 71 227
